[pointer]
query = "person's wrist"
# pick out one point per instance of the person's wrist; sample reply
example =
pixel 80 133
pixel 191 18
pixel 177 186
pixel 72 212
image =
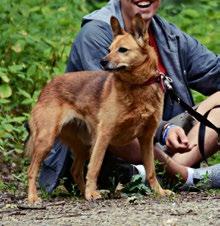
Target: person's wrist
pixel 166 131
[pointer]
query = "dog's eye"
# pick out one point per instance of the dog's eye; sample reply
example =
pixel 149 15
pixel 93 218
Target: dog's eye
pixel 122 50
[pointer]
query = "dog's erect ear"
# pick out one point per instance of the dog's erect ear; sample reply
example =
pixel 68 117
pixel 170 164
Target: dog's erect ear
pixel 116 27
pixel 139 30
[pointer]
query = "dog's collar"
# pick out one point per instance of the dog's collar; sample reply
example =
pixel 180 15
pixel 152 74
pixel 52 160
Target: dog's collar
pixel 159 78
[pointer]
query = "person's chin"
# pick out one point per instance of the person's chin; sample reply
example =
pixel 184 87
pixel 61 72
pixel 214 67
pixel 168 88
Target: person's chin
pixel 146 13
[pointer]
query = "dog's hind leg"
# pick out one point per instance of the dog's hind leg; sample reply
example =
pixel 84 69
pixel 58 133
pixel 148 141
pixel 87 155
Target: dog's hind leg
pixel 78 172
pixel 69 135
pixel 44 128
pixel 42 145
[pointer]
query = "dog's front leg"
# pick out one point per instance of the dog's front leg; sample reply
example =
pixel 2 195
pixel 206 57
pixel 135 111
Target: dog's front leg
pixel 95 163
pixel 147 151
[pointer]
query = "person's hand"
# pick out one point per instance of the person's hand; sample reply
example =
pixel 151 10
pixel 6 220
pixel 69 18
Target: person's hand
pixel 177 141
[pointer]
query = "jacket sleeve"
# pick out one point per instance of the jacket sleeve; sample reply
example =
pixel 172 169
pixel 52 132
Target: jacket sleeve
pixel 202 67
pixel 89 47
pixel 159 132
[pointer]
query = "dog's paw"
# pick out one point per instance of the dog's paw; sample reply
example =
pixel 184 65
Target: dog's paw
pixel 92 195
pixel 34 199
pixel 165 192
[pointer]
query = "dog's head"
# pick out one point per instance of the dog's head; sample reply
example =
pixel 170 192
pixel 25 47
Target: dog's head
pixel 129 52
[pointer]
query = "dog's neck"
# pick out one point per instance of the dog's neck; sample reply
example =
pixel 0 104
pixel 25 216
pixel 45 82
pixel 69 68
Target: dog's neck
pixel 140 74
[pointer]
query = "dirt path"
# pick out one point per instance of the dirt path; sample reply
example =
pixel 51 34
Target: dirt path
pixel 185 209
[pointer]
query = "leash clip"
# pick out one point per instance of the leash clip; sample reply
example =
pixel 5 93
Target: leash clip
pixel 178 100
pixel 167 82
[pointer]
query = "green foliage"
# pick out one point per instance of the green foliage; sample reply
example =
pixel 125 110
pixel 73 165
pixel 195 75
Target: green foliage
pixel 198 97
pixel 95 4
pixel 7 187
pixel 215 159
pixel 12 133
pixel 36 38
pixel 197 18
pixel 35 42
pixel 136 186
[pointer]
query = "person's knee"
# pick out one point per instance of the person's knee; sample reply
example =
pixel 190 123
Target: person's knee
pixel 216 97
pixel 214 116
pixel 217 94
pixel 209 103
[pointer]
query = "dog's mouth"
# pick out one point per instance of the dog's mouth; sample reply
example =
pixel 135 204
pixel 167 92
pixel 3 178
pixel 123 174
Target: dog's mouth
pixel 143 4
pixel 109 66
pixel 119 68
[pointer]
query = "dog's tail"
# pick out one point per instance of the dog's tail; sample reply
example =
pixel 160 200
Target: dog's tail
pixel 29 141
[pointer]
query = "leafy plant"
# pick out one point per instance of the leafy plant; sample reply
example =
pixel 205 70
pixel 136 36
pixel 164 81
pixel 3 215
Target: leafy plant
pixel 136 186
pixel 35 41
pixel 199 19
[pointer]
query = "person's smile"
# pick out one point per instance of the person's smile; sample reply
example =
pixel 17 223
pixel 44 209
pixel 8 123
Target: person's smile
pixel 142 4
pixel 147 9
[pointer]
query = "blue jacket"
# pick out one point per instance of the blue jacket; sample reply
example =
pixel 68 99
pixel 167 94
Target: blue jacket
pixel 188 63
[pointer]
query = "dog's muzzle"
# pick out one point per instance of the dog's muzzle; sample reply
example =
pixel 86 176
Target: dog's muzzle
pixel 108 66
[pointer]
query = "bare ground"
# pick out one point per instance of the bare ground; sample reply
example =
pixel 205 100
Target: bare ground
pixel 189 208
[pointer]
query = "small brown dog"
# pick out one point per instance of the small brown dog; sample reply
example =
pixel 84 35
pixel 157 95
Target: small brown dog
pixel 117 106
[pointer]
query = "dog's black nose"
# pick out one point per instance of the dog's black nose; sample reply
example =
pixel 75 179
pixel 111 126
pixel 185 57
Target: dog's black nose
pixel 104 63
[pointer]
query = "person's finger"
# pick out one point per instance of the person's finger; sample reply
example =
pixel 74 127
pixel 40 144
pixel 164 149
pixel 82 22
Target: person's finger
pixel 177 140
pixel 173 141
pixel 182 136
pixel 191 146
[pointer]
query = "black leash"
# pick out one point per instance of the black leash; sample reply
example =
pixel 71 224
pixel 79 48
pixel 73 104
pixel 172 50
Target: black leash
pixel 201 118
pixel 202 129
